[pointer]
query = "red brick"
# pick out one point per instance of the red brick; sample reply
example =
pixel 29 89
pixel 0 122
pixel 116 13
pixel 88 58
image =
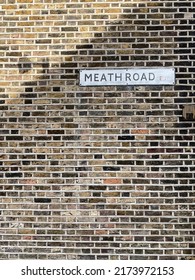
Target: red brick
pixel 112 181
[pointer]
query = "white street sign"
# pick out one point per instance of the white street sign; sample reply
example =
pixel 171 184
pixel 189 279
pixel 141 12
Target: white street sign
pixel 127 76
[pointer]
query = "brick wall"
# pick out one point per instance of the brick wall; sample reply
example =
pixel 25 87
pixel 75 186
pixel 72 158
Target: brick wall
pixel 96 172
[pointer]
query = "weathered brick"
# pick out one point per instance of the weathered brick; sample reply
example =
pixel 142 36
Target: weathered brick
pixel 112 181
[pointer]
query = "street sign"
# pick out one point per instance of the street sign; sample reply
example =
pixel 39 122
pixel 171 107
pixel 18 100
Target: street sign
pixel 127 76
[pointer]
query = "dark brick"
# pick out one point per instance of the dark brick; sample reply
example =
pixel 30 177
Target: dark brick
pixel 126 137
pixel 42 200
pixel 111 168
pixel 13 174
pixel 55 131
pixel 69 175
pixel 85 46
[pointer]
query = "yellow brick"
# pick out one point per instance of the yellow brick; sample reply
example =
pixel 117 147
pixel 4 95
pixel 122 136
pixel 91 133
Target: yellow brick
pixel 9 7
pixel 100 5
pixel 113 11
pixel 25 1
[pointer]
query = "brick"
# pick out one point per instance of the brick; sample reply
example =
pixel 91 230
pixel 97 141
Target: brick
pixel 111 181
pixel 140 131
pixel 126 138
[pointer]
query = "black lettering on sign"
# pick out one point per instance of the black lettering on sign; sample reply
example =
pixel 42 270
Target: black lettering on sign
pixel 143 77
pixel 136 77
pixel 96 77
pixel 110 75
pixel 128 77
pixel 119 76
pixel 103 78
pixel 151 76
pixel 89 77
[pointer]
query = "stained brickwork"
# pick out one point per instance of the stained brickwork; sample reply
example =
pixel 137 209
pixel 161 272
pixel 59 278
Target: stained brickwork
pixel 96 172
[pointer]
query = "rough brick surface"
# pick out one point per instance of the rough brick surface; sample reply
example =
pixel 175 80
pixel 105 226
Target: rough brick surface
pixel 96 172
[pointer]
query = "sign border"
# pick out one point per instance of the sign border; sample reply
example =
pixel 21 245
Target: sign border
pixel 125 69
